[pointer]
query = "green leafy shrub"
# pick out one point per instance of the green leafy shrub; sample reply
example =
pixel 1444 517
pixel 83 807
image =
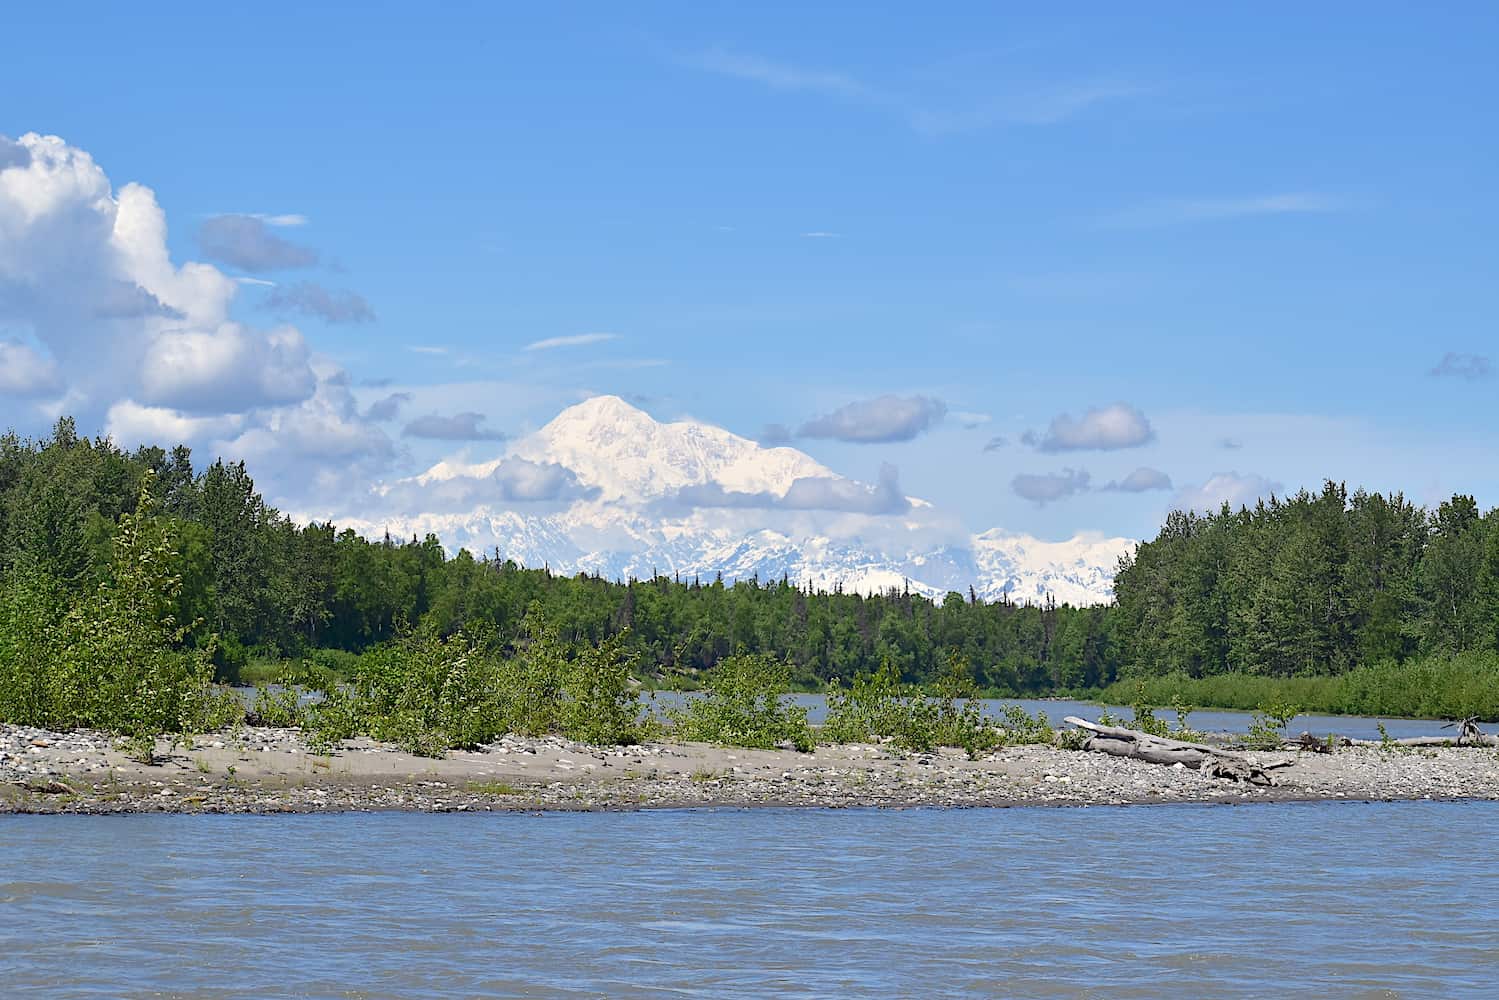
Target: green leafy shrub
pixel 431 694
pixel 1019 727
pixel 1268 724
pixel 875 707
pixel 279 706
pixel 112 658
pixel 878 706
pixel 741 706
pixel 600 705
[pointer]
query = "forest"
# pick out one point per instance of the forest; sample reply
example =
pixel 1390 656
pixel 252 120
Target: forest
pixel 1315 585
pixel 264 588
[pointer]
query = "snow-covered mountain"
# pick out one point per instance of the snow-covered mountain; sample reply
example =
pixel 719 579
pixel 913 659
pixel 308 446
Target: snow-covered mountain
pixel 605 488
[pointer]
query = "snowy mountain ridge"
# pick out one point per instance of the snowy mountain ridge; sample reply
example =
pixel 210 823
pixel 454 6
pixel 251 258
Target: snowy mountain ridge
pixel 605 488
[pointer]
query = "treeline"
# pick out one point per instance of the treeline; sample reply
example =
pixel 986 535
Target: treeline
pixel 1314 584
pixel 251 582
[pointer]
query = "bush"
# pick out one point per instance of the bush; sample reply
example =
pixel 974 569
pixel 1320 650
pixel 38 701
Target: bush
pixel 742 706
pixel 112 659
pixel 878 706
pixel 431 694
pixel 426 693
pixel 1018 727
pixel 1453 687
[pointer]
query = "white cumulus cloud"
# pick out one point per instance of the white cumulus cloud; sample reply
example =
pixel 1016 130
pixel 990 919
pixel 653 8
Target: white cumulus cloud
pixel 108 326
pixel 1103 428
pixel 1226 488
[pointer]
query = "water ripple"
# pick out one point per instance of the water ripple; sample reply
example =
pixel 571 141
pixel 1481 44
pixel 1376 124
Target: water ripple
pixel 1344 899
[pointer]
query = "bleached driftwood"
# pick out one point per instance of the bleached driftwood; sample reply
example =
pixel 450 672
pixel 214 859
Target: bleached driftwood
pixel 1136 745
pixel 1468 735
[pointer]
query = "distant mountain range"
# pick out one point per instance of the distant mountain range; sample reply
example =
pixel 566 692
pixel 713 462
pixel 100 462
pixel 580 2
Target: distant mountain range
pixel 605 488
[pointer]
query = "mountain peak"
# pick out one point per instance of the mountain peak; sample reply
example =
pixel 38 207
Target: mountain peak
pixel 630 455
pixel 632 462
pixel 601 410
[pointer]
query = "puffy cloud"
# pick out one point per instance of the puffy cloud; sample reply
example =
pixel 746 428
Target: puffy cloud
pixel 878 421
pixel 1141 480
pixel 321 447
pixel 130 423
pixel 24 372
pixel 387 407
pixel 326 304
pixel 775 435
pixel 519 480
pixel 229 369
pixel 996 443
pixel 86 272
pixel 512 480
pixel 1226 487
pixel 832 493
pixel 1045 489
pixel 459 427
pixel 13 154
pixel 132 341
pixel 1469 366
pixel 1103 428
pixel 246 242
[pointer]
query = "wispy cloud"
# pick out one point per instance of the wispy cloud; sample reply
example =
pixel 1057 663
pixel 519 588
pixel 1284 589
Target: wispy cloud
pixel 631 363
pixel 1469 366
pixel 1039 106
pixel 1050 487
pixel 331 305
pixel 459 427
pixel 819 235
pixel 575 340
pixel 246 242
pixel 1186 211
pixel 270 219
pixel 424 349
pixel 780 76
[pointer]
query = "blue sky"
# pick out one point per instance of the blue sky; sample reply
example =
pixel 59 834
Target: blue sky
pixel 1260 230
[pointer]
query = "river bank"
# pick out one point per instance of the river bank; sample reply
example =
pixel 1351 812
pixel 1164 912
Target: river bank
pixel 269 770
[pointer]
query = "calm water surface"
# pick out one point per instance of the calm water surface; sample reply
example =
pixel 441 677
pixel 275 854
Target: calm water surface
pixel 1208 720
pixel 1056 709
pixel 1314 900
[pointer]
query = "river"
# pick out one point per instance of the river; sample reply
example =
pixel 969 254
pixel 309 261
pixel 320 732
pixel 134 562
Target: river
pixel 1206 720
pixel 1313 900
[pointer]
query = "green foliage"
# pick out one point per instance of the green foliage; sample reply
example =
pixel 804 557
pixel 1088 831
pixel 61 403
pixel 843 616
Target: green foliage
pixel 599 704
pixel 1437 687
pixel 1144 715
pixel 879 707
pixel 1020 727
pixel 430 693
pixel 876 706
pixel 426 693
pixel 276 706
pixel 742 706
pixel 1355 602
pixel 1267 727
pixel 112 658
pixel 1313 585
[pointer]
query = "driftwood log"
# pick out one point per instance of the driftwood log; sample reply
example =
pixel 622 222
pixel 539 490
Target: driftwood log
pixel 1137 745
pixel 1468 735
